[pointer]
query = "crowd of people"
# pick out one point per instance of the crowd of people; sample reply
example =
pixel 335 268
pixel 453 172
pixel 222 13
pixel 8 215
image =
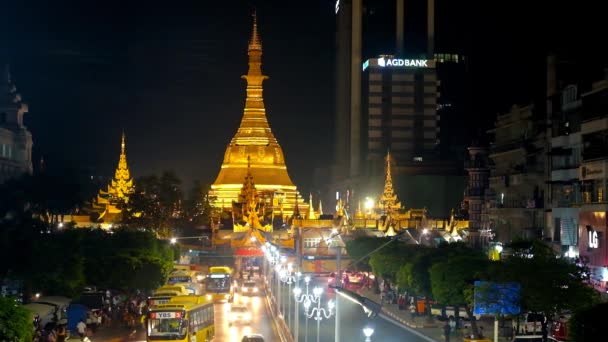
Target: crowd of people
pixel 119 311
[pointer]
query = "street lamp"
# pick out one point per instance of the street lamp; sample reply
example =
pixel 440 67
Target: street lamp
pixel 369 205
pixel 368 332
pixel 306 298
pixel 288 276
pixel 319 313
pixel 173 241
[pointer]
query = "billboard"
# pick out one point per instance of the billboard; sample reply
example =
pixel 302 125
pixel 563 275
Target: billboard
pixel 496 298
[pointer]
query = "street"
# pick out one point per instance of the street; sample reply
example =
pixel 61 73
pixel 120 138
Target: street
pixel 261 322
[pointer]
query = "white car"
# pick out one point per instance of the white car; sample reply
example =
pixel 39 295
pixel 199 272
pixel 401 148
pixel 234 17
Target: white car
pixel 250 288
pixel 253 338
pixel 239 314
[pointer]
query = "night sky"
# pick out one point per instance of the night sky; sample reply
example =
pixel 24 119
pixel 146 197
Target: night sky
pixel 169 73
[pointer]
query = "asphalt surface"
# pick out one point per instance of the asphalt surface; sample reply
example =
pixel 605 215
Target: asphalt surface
pixel 261 322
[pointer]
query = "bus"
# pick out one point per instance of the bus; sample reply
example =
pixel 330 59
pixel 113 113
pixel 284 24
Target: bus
pixel 219 285
pixel 183 318
pixel 163 294
pixel 189 279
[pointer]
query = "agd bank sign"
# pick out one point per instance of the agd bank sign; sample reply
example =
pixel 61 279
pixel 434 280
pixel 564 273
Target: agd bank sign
pixel 385 62
pixel 389 62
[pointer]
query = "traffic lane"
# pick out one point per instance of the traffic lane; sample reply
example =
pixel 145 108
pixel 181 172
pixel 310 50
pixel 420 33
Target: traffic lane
pixel 261 322
pixel 352 322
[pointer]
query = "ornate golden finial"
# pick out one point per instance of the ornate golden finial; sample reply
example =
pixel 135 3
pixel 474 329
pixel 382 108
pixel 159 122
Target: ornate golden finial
pixel 311 209
pixel 255 43
pixel 320 207
pixel 122 144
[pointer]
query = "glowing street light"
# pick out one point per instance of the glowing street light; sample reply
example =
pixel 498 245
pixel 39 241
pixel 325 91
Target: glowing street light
pixel 369 204
pixel 368 332
pixel 173 241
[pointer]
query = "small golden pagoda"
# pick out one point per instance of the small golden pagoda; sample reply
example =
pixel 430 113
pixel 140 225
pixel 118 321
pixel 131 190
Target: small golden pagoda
pixel 119 189
pixel 105 209
pixel 388 202
pixel 255 150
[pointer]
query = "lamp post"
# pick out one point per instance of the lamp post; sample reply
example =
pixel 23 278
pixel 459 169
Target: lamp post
pixel 318 313
pixel 368 332
pixel 289 277
pixel 306 298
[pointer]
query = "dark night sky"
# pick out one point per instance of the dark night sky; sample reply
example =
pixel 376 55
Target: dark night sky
pixel 169 73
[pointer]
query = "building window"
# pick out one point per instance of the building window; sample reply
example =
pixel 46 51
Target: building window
pixel 417 159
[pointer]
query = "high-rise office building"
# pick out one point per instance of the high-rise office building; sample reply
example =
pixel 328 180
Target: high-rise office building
pixel 388 97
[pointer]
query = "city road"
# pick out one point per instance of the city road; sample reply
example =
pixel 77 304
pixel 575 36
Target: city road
pixel 261 322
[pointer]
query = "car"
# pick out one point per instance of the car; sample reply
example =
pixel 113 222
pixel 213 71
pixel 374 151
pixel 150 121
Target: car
pixel 250 288
pixel 253 338
pixel 239 314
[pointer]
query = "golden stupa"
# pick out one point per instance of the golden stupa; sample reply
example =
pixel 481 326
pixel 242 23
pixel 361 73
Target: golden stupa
pixel 255 142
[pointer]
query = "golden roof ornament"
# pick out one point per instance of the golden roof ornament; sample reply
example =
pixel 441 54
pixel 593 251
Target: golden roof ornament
pixel 311 210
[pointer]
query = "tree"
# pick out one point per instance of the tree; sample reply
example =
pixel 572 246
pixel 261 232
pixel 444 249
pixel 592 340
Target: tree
pixel 452 282
pixel 361 246
pixel 588 324
pixel 197 208
pixel 15 321
pixel 156 204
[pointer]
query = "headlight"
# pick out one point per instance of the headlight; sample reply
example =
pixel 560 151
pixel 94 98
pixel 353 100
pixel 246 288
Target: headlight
pixel 208 296
pixel 247 316
pixel 226 296
pixel 244 289
pixel 255 289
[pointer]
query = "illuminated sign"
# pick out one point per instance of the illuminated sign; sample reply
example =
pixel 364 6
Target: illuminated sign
pixel 393 62
pixel 215 276
pixel 163 314
pixel 594 241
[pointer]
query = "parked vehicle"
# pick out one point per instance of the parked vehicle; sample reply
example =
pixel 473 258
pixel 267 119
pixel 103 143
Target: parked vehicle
pixel 250 288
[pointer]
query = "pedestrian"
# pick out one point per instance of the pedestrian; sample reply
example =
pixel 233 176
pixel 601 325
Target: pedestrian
pixel 401 302
pixel 81 327
pixel 62 333
pixel 446 331
pixel 413 311
pixel 452 322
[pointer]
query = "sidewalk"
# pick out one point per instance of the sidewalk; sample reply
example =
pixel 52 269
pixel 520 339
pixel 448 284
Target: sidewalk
pixel 425 325
pixel 429 326
pixel 114 334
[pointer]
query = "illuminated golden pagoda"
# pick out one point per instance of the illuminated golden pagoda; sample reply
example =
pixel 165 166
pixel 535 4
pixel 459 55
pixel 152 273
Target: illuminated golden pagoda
pixel 254 149
pixel 388 202
pixel 121 186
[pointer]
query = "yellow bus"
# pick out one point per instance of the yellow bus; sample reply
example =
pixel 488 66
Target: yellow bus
pixel 219 285
pixel 189 279
pixel 163 294
pixel 183 318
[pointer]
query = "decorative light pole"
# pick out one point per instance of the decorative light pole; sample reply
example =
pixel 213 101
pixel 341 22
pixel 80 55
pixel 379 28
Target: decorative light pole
pixel 302 297
pixel 288 276
pixel 318 313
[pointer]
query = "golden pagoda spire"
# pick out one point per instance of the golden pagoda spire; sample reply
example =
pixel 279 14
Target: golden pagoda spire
pixel 254 127
pixel 121 186
pixel 255 139
pixel 388 201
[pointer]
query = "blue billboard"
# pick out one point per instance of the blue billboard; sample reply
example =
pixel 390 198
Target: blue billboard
pixel 496 298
